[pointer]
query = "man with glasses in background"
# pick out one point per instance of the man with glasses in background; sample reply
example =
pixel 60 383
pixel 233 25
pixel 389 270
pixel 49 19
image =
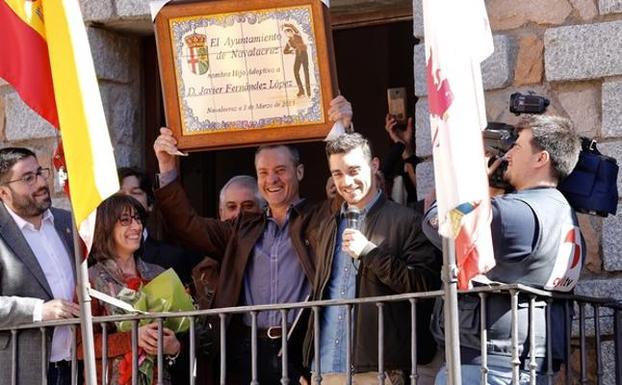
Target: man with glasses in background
pixel 37 273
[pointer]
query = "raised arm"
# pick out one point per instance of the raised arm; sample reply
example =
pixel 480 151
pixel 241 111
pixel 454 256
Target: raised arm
pixel 208 235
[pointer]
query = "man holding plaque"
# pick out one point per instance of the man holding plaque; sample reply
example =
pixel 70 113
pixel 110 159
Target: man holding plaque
pixel 265 258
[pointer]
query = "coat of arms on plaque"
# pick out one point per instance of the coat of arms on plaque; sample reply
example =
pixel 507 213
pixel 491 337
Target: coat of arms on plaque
pixel 198 57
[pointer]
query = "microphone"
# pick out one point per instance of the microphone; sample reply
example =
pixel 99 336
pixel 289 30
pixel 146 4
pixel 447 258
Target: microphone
pixel 353 218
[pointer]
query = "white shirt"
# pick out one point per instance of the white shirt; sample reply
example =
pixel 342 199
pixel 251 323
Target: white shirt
pixel 55 263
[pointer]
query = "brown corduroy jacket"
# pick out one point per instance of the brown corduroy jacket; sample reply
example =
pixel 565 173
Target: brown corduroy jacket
pixel 231 242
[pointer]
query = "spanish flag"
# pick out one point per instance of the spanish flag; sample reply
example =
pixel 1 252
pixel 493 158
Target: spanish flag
pixel 45 56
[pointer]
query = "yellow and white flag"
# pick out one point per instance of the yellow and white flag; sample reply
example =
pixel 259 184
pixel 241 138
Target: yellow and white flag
pixel 88 152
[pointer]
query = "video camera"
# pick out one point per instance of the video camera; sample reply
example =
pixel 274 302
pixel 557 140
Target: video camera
pixel 500 137
pixel 591 188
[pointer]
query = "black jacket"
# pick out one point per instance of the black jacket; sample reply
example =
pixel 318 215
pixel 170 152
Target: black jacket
pixel 403 261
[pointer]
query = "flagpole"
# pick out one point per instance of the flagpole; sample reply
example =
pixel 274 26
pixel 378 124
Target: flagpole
pixel 452 335
pixel 86 318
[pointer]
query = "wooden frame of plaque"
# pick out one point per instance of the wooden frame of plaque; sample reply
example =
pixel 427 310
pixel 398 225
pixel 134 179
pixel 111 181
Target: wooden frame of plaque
pixel 244 73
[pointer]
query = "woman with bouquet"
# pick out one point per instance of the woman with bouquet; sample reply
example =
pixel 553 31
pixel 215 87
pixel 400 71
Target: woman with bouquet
pixel 116 250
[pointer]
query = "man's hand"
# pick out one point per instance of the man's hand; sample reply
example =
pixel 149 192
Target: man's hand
pixel 390 126
pixel 165 147
pixel 59 309
pixel 340 109
pixel 353 242
pixel 490 169
pixel 403 136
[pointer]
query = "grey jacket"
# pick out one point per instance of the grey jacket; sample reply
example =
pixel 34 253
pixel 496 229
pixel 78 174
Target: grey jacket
pixel 22 283
pixel 555 221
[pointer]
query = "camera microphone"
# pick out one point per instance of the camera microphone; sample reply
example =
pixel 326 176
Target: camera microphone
pixel 353 218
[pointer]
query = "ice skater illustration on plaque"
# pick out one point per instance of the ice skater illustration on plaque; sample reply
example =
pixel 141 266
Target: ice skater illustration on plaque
pixel 295 45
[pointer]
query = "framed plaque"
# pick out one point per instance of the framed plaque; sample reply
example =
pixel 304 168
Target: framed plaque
pixel 243 73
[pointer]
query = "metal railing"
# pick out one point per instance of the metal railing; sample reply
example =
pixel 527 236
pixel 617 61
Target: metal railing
pixel 602 309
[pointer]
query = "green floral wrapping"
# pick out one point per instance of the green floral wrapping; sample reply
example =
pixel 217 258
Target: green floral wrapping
pixel 164 294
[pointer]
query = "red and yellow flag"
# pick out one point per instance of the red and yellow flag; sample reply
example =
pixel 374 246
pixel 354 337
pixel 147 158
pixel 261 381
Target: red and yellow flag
pixel 45 56
pixel 25 60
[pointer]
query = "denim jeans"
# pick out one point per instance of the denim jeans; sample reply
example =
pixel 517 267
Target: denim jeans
pixel 497 375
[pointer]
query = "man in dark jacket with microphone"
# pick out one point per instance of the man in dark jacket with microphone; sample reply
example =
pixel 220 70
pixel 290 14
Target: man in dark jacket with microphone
pixel 372 247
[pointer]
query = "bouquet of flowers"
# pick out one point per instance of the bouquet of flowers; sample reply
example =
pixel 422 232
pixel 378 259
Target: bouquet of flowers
pixel 165 293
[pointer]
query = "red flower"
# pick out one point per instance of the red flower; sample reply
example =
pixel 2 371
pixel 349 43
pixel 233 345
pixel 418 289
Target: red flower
pixel 125 369
pixel 125 366
pixel 134 283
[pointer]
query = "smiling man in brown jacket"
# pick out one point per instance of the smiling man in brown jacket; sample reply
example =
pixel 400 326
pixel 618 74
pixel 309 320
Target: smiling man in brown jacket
pixel 265 258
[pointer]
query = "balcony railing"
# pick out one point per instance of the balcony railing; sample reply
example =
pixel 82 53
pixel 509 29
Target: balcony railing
pixel 587 311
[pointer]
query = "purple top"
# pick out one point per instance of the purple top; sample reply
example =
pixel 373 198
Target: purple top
pixel 274 274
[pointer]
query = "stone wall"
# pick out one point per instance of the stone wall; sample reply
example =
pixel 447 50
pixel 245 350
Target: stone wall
pixel 570 51
pixel 117 65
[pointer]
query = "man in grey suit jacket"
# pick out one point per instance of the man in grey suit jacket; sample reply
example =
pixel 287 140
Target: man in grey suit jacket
pixel 37 275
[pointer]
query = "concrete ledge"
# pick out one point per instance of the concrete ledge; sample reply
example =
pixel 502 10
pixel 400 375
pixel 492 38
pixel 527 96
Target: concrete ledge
pixel 97 11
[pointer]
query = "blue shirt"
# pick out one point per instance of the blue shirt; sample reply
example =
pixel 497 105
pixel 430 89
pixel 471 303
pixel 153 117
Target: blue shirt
pixel 274 274
pixel 341 285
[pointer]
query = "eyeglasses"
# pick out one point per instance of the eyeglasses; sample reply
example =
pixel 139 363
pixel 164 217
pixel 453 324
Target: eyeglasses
pixel 30 178
pixel 126 220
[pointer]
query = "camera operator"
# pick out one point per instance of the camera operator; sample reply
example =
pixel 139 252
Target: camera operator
pixel 536 242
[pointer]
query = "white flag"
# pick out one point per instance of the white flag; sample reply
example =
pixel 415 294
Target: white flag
pixel 457 40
